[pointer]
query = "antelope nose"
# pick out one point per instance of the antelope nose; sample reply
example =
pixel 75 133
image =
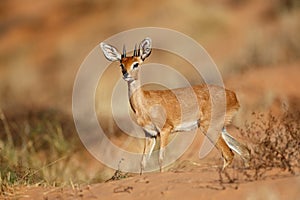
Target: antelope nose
pixel 125 74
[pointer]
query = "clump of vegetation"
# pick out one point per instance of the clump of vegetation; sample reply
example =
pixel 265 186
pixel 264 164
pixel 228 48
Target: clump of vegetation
pixel 274 141
pixel 36 148
pixel 275 144
pixel 118 175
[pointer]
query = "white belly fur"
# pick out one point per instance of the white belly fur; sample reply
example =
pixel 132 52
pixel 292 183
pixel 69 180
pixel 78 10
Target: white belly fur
pixel 187 126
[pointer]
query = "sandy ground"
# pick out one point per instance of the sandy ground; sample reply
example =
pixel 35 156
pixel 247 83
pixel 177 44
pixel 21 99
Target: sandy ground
pixel 191 185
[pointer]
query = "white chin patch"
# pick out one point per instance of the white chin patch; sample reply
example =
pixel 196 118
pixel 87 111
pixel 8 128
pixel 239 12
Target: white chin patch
pixel 128 79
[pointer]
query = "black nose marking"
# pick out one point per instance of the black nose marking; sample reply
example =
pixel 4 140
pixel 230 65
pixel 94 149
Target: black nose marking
pixel 124 71
pixel 125 74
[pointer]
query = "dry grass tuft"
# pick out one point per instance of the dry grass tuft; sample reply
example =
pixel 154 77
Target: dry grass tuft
pixel 34 148
pixel 275 144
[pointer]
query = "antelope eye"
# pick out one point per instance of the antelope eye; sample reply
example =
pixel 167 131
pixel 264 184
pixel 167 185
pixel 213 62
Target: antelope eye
pixel 135 65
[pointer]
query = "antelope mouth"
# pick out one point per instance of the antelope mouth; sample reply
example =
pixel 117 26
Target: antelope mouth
pixel 128 78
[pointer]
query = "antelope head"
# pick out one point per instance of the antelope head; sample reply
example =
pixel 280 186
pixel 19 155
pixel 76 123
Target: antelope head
pixel 129 64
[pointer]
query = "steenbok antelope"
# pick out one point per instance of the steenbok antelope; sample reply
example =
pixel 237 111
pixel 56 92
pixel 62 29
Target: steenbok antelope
pixel 142 101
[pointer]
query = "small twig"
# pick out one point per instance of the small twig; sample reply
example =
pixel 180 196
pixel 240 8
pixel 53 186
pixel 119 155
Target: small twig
pixel 28 174
pixel 120 189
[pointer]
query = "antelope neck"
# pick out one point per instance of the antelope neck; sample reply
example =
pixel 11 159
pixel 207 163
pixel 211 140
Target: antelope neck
pixel 134 87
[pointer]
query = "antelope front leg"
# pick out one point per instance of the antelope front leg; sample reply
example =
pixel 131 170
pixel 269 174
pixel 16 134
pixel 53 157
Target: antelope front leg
pixel 164 135
pixel 148 148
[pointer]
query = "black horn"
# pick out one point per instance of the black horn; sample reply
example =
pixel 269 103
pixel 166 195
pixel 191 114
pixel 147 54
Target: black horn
pixel 124 52
pixel 138 52
pixel 135 52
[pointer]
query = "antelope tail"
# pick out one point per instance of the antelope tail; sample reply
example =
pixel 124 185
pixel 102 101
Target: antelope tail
pixel 236 146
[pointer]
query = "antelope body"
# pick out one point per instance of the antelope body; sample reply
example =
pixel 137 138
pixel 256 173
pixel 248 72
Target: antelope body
pixel 163 122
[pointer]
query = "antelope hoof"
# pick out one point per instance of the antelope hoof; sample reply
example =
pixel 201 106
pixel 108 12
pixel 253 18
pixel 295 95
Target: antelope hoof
pixel 225 164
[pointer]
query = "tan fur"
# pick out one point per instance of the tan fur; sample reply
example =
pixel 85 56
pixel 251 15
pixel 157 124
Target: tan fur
pixel 167 99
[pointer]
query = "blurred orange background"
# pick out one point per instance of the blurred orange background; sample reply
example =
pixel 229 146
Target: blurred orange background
pixel 44 42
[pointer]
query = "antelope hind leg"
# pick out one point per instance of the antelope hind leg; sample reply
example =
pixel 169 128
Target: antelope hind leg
pixel 227 153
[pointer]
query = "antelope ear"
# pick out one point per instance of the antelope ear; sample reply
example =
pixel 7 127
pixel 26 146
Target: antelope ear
pixel 110 52
pixel 145 48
